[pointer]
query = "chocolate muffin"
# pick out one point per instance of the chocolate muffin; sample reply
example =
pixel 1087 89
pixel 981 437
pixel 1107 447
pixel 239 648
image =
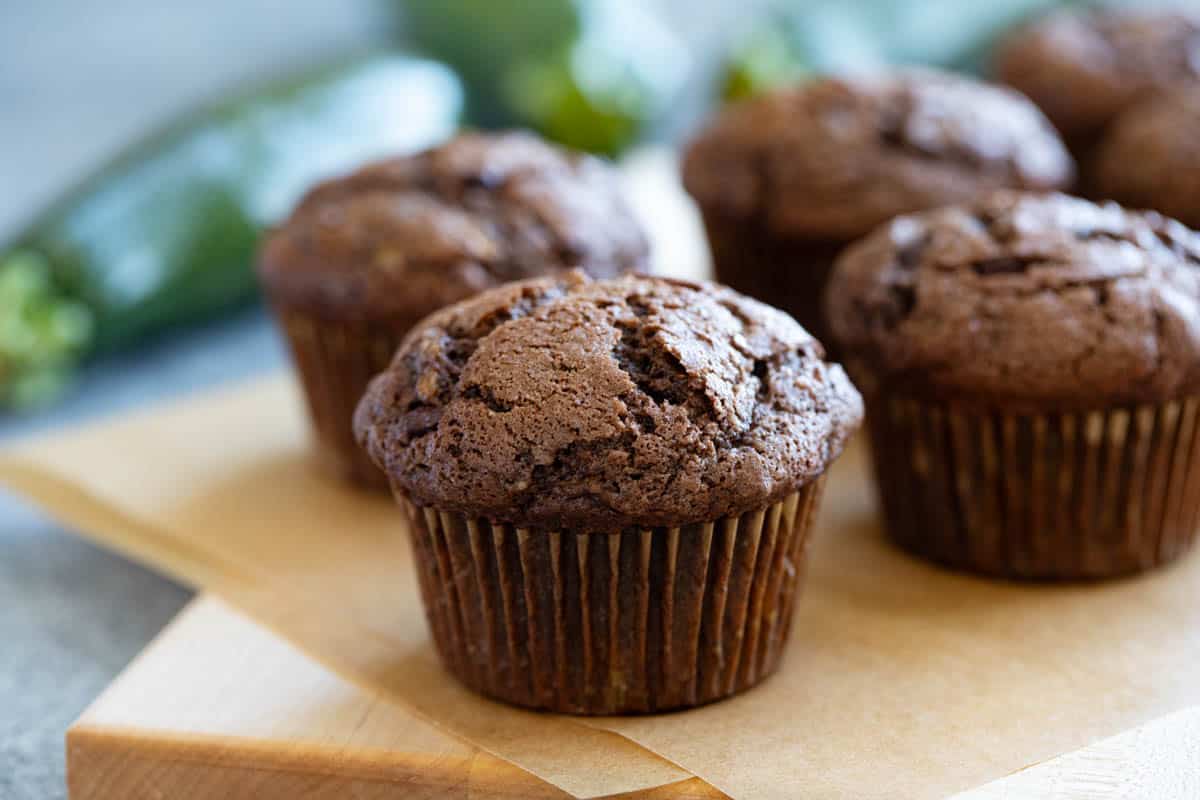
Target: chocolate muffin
pixel 1083 68
pixel 610 486
pixel 365 257
pixel 1150 157
pixel 1031 366
pixel 786 181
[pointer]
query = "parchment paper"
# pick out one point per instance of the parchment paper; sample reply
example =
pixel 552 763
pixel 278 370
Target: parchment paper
pixel 901 680
pixel 222 494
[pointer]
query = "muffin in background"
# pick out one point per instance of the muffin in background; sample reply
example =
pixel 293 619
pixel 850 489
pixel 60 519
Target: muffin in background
pixel 364 257
pixel 785 181
pixel 1150 157
pixel 1031 369
pixel 610 485
pixel 1084 68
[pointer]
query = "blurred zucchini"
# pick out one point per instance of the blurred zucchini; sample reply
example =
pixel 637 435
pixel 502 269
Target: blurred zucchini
pixel 764 57
pixel 165 235
pixel 594 75
pixel 793 41
pixel 483 39
pixel 798 37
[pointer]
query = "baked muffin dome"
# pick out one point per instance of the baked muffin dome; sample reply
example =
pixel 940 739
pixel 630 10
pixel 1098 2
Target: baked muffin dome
pixel 403 237
pixel 633 402
pixel 835 157
pixel 1084 67
pixel 365 257
pixel 1150 157
pixel 1024 298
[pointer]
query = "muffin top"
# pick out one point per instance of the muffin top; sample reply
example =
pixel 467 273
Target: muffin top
pixel 1048 299
pixel 405 236
pixel 1150 157
pixel 563 402
pixel 1083 68
pixel 834 157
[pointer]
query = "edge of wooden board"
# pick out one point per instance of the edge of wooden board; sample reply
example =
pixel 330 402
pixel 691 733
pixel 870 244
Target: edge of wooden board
pixel 171 725
pixel 108 763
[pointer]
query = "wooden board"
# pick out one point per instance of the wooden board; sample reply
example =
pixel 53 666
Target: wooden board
pixel 217 708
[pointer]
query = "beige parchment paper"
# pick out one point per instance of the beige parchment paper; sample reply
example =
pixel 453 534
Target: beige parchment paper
pixel 901 680
pixel 221 492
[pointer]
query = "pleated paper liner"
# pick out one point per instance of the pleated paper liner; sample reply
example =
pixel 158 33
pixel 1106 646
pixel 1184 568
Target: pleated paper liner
pixel 638 621
pixel 786 272
pixel 1074 495
pixel 335 361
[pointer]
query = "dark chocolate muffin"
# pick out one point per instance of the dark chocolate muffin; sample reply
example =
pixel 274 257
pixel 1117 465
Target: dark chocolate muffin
pixel 364 257
pixel 610 485
pixel 1031 366
pixel 1083 68
pixel 787 180
pixel 1150 157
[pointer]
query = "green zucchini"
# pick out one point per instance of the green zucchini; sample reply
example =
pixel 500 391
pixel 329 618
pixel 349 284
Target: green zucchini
pixel 593 75
pixel 809 36
pixel 166 234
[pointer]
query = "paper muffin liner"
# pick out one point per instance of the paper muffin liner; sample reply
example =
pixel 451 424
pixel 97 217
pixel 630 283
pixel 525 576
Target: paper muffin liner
pixel 613 623
pixel 1075 495
pixel 786 272
pixel 335 361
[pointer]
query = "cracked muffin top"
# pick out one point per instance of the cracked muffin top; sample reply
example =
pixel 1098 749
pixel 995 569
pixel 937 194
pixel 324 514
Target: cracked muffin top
pixel 636 402
pixel 1084 68
pixel 1150 157
pixel 406 236
pixel 1041 298
pixel 835 157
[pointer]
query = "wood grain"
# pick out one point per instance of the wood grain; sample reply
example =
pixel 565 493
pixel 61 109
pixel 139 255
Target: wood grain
pixel 217 707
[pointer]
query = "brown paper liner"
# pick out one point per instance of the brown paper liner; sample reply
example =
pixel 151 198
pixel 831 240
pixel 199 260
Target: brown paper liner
pixel 1074 495
pixel 639 621
pixel 787 272
pixel 336 360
